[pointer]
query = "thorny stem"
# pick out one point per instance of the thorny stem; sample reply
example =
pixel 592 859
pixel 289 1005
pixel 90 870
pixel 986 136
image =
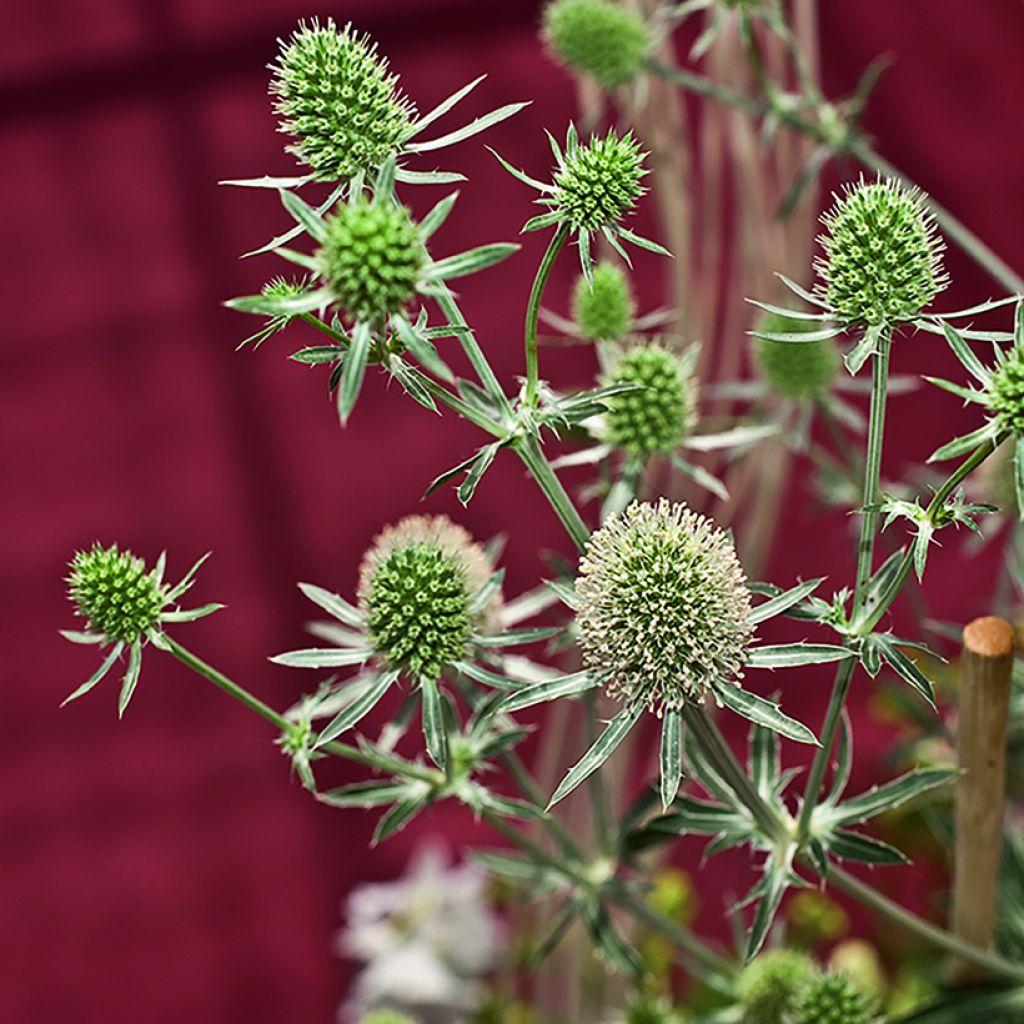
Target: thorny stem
pixel 555 246
pixel 865 551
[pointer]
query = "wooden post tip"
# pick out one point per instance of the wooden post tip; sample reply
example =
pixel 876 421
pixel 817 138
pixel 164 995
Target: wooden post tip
pixel 989 637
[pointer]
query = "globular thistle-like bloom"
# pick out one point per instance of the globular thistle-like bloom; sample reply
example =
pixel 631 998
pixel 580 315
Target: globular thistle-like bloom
pixel 1006 392
pixel 795 370
pixel 604 307
pixel 882 261
pixel 770 986
pixel 372 257
pixel 416 588
pixel 664 610
pixel 336 98
pixel 657 417
pixel 598 183
pixel 124 604
pixel 833 999
pixel 599 38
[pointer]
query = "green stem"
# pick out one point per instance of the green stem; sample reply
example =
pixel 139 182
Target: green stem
pixel 865 552
pixel 530 452
pixel 925 929
pixel 558 240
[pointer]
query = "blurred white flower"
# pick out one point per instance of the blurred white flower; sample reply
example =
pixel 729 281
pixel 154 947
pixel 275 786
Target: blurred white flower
pixel 426 940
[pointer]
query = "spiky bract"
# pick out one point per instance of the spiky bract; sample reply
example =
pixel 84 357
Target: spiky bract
pixel 1006 392
pixel 372 257
pixel 802 369
pixel 604 307
pixel 336 98
pixel 600 38
pixel 600 182
pixel 653 420
pixel 770 986
pixel 115 593
pixel 882 260
pixel 833 999
pixel 416 586
pixel 664 609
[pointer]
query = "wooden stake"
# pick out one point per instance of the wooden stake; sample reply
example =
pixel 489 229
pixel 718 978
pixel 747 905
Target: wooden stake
pixel 986 668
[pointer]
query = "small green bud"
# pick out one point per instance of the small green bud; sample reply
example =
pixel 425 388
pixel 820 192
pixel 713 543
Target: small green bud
pixel 416 586
pixel 832 999
pixel 664 607
pixel 769 987
pixel 599 38
pixel 802 369
pixel 1006 392
pixel 372 258
pixel 656 419
pixel 335 96
pixel 600 182
pixel 883 257
pixel 385 1017
pixel 604 308
pixel 114 592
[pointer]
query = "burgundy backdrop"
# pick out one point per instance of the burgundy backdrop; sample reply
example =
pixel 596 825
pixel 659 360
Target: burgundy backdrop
pixel 167 869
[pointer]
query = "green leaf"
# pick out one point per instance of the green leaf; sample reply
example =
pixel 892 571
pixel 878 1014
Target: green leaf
pixel 434 731
pixel 482 675
pixel 276 243
pixel 643 243
pixel 776 881
pixel 365 794
pixel 966 443
pixel 847 845
pixel 799 337
pixel 471 261
pixel 323 657
pixel 764 758
pixel 480 464
pixel 319 355
pixel 131 676
pixel 504 865
pixel 304 215
pixel 844 761
pixel 701 476
pixel 357 710
pixel 474 127
pixel 402 372
pixel 397 818
pixel 889 795
pixel 689 815
pixel 354 371
pixel 191 614
pixel 610 946
pixel 513 637
pixel 791 655
pixel 734 438
pixel 671 755
pixel 334 605
pixel 904 667
pixel 963 352
pixel 97 676
pixel 279 305
pixel 541 221
pixel 421 348
pixel 778 604
pixel 77 637
pixel 762 712
pixel 445 105
pixel 437 216
pixel 428 177
pixel 601 750
pixel 863 350
pixel 520 175
pixel 553 689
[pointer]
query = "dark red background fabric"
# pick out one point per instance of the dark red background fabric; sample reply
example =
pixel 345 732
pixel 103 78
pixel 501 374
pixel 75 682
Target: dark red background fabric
pixel 166 868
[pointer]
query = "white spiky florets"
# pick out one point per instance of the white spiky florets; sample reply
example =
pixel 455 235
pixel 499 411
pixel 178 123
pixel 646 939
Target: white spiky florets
pixel 664 609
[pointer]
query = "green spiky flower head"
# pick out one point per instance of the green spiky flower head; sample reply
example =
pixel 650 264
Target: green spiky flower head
pixel 115 593
pixel 664 610
pixel 372 257
pixel 882 260
pixel 598 37
pixel 599 182
pixel 604 307
pixel 802 369
pixel 386 1016
pixel 833 999
pixel 770 986
pixel 655 419
pixel 416 588
pixel 336 98
pixel 1006 392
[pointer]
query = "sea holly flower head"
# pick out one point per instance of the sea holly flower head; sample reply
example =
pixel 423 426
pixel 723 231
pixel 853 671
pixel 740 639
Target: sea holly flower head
pixel 794 370
pixel 599 38
pixel 882 261
pixel 657 416
pixel 337 99
pixel 833 999
pixel 416 588
pixel 372 257
pixel 124 604
pixel 664 609
pixel 769 987
pixel 1006 392
pixel 604 307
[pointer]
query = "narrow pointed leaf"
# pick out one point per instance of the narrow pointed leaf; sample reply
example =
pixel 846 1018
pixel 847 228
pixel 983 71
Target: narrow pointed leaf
pixel 304 214
pixel 671 755
pixel 474 127
pixel 963 352
pixel 334 605
pixel 434 731
pixel 968 442
pixel 357 710
pixel 764 712
pixel 97 676
pixel 781 602
pixel 323 657
pixel 790 655
pixel 471 261
pixel 847 845
pixel 891 794
pixel 131 677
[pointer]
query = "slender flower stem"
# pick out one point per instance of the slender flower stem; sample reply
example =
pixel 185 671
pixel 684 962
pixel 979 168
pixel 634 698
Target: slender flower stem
pixel 555 246
pixel 530 452
pixel 865 552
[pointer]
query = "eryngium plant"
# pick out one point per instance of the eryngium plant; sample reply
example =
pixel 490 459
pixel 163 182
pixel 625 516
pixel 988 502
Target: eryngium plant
pixel 660 608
